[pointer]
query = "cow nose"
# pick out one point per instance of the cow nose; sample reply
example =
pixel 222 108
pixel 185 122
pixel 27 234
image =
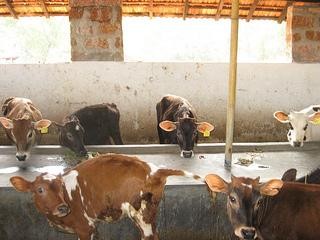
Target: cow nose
pixel 63 209
pixel 297 144
pixel 186 154
pixel 84 152
pixel 21 157
pixel 248 233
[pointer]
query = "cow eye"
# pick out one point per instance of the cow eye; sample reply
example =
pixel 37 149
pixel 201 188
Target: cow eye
pixel 290 126
pixel 232 199
pixel 30 134
pixel 259 202
pixel 69 136
pixel 305 127
pixel 40 190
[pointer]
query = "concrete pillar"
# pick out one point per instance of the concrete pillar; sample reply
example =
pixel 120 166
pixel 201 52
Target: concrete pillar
pixel 303 33
pixel 96 30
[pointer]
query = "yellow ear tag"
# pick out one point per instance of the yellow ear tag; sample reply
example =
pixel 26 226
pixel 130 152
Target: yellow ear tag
pixel 44 130
pixel 316 121
pixel 206 133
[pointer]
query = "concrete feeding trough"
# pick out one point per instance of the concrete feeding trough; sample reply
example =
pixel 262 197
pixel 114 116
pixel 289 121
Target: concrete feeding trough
pixel 187 210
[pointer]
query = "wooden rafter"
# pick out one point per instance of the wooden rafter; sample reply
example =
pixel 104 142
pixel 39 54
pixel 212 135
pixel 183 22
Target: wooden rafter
pixel 44 8
pixel 219 9
pixel 252 9
pixel 11 10
pixel 185 9
pixel 151 9
pixel 284 12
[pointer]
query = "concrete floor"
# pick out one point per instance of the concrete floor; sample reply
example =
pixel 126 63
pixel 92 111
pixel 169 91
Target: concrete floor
pixel 186 211
pixel 270 160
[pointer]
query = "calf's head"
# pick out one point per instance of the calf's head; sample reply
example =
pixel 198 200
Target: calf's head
pixel 71 135
pixel 187 133
pixel 244 196
pixel 298 124
pixel 23 132
pixel 47 193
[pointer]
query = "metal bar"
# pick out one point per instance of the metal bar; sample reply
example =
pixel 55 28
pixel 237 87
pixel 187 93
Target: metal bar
pixel 11 10
pixel 185 9
pixel 232 83
pixel 219 9
pixel 252 9
pixel 44 8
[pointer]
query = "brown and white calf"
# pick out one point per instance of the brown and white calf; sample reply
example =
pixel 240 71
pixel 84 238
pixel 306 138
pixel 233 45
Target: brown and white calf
pixel 177 124
pixel 274 210
pixel 107 187
pixel 298 123
pixel 22 122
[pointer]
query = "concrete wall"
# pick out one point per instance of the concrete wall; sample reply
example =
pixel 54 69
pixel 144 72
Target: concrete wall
pixel 58 89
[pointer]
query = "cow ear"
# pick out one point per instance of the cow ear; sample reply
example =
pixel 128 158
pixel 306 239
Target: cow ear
pixel 43 123
pixel 290 175
pixel 167 126
pixel 314 118
pixel 216 183
pixel 6 123
pixel 20 184
pixel 204 127
pixel 281 117
pixel 271 188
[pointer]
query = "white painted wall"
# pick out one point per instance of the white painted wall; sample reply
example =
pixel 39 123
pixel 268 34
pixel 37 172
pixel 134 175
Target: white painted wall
pixel 58 89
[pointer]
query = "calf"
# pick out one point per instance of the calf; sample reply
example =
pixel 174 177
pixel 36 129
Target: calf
pixel 274 210
pixel 312 177
pixel 107 187
pixel 298 123
pixel 91 125
pixel 21 121
pixel 177 123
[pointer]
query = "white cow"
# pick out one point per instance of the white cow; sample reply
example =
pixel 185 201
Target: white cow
pixel 298 123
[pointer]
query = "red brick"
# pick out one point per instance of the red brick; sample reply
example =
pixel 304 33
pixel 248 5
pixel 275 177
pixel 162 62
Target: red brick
pixel 302 21
pixel 305 53
pixel 108 28
pixel 76 12
pixel 94 14
pixel 296 37
pixel 106 14
pixel 313 35
pixel 96 43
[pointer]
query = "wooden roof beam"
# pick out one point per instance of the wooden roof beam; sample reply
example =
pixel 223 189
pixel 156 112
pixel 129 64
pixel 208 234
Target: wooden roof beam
pixel 219 9
pixel 252 9
pixel 185 9
pixel 284 12
pixel 11 10
pixel 44 8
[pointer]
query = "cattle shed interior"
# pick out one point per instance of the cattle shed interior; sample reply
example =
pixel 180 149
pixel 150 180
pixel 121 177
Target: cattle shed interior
pixel 98 73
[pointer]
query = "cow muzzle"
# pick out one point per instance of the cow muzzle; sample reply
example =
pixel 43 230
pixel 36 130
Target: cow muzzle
pixel 21 157
pixel 297 144
pixel 187 154
pixel 248 233
pixel 62 210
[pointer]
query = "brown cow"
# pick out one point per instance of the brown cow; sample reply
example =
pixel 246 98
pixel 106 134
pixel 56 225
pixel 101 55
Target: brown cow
pixel 274 210
pixel 107 187
pixel 21 121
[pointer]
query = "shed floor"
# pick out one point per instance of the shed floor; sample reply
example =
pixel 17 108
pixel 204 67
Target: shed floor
pixel 270 160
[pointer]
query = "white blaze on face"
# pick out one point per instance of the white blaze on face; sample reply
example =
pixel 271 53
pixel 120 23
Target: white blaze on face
pixel 77 127
pixel 299 123
pixel 70 182
pixel 49 177
pixel 246 185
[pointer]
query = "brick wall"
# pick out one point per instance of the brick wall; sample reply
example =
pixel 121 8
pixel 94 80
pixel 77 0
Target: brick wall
pixel 96 30
pixel 303 33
